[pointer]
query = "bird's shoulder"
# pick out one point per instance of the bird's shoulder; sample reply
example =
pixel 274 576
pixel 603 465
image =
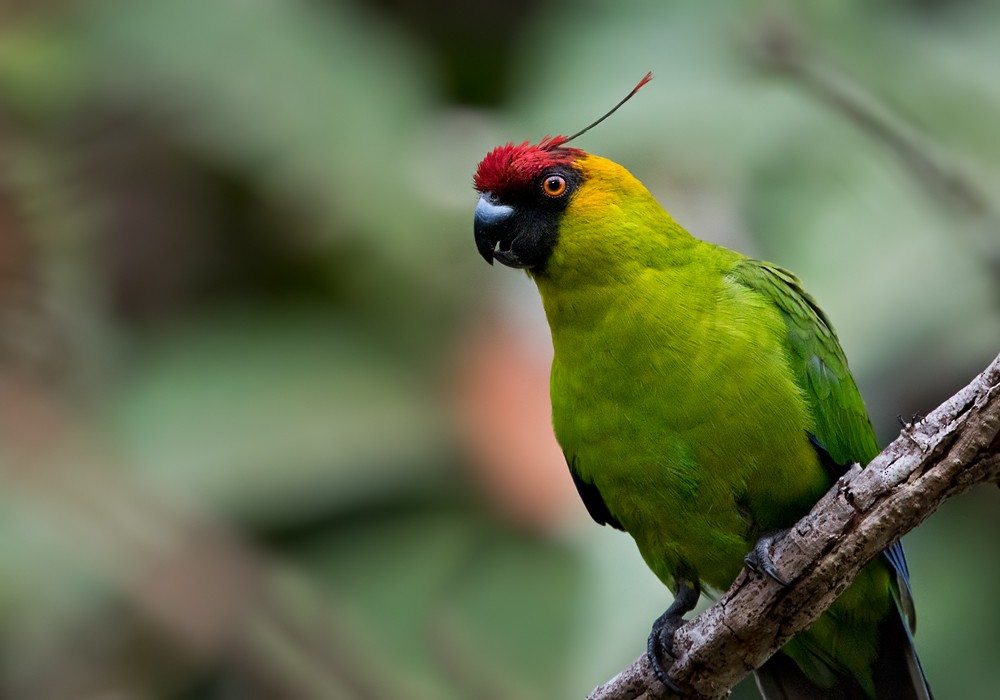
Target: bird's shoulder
pixel 816 358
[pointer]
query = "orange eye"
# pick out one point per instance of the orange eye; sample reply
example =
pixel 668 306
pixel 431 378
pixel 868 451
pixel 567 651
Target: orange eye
pixel 554 185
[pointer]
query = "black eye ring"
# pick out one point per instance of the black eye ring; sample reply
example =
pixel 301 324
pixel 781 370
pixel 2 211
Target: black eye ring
pixel 554 185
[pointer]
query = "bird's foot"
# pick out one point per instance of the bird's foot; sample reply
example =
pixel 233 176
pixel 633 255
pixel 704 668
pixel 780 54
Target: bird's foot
pixel 660 647
pixel 759 558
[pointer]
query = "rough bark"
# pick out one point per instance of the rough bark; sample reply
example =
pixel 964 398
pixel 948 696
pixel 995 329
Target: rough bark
pixel 954 448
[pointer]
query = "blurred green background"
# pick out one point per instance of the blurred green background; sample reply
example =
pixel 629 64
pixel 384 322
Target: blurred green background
pixel 269 426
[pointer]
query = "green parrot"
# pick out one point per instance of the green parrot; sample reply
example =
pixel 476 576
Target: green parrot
pixel 702 401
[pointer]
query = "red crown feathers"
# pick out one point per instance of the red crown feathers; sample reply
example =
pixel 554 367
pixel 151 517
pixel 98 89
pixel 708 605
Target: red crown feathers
pixel 514 166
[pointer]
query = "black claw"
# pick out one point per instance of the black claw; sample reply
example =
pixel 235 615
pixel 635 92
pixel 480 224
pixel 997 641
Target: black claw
pixel 660 647
pixel 759 558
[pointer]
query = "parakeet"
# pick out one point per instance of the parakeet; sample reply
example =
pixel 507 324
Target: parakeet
pixel 702 401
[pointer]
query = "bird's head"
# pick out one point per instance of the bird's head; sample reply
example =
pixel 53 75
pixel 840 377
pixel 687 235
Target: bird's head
pixel 526 190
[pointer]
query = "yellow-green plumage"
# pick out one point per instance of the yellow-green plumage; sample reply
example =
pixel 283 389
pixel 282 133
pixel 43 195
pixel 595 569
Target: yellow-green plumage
pixel 690 387
pixel 670 387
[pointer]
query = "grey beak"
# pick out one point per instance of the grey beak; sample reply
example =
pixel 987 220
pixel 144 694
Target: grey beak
pixel 492 225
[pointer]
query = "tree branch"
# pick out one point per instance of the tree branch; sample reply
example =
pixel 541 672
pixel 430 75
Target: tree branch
pixel 954 448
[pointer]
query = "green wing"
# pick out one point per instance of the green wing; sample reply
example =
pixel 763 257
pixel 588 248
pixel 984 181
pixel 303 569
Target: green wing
pixel 842 424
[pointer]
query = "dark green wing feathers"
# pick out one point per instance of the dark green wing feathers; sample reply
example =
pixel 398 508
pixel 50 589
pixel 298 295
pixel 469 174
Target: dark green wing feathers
pixel 818 362
pixel 842 434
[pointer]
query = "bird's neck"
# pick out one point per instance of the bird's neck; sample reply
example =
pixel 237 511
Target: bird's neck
pixel 656 271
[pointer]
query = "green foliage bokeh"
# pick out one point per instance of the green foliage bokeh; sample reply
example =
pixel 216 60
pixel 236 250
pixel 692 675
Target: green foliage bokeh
pixel 251 278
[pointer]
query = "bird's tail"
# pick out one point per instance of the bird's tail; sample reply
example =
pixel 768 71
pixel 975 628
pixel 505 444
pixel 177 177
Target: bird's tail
pixel 896 673
pixel 781 679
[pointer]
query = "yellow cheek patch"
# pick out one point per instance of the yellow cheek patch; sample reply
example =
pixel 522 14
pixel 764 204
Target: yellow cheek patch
pixel 611 228
pixel 608 193
pixel 607 189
